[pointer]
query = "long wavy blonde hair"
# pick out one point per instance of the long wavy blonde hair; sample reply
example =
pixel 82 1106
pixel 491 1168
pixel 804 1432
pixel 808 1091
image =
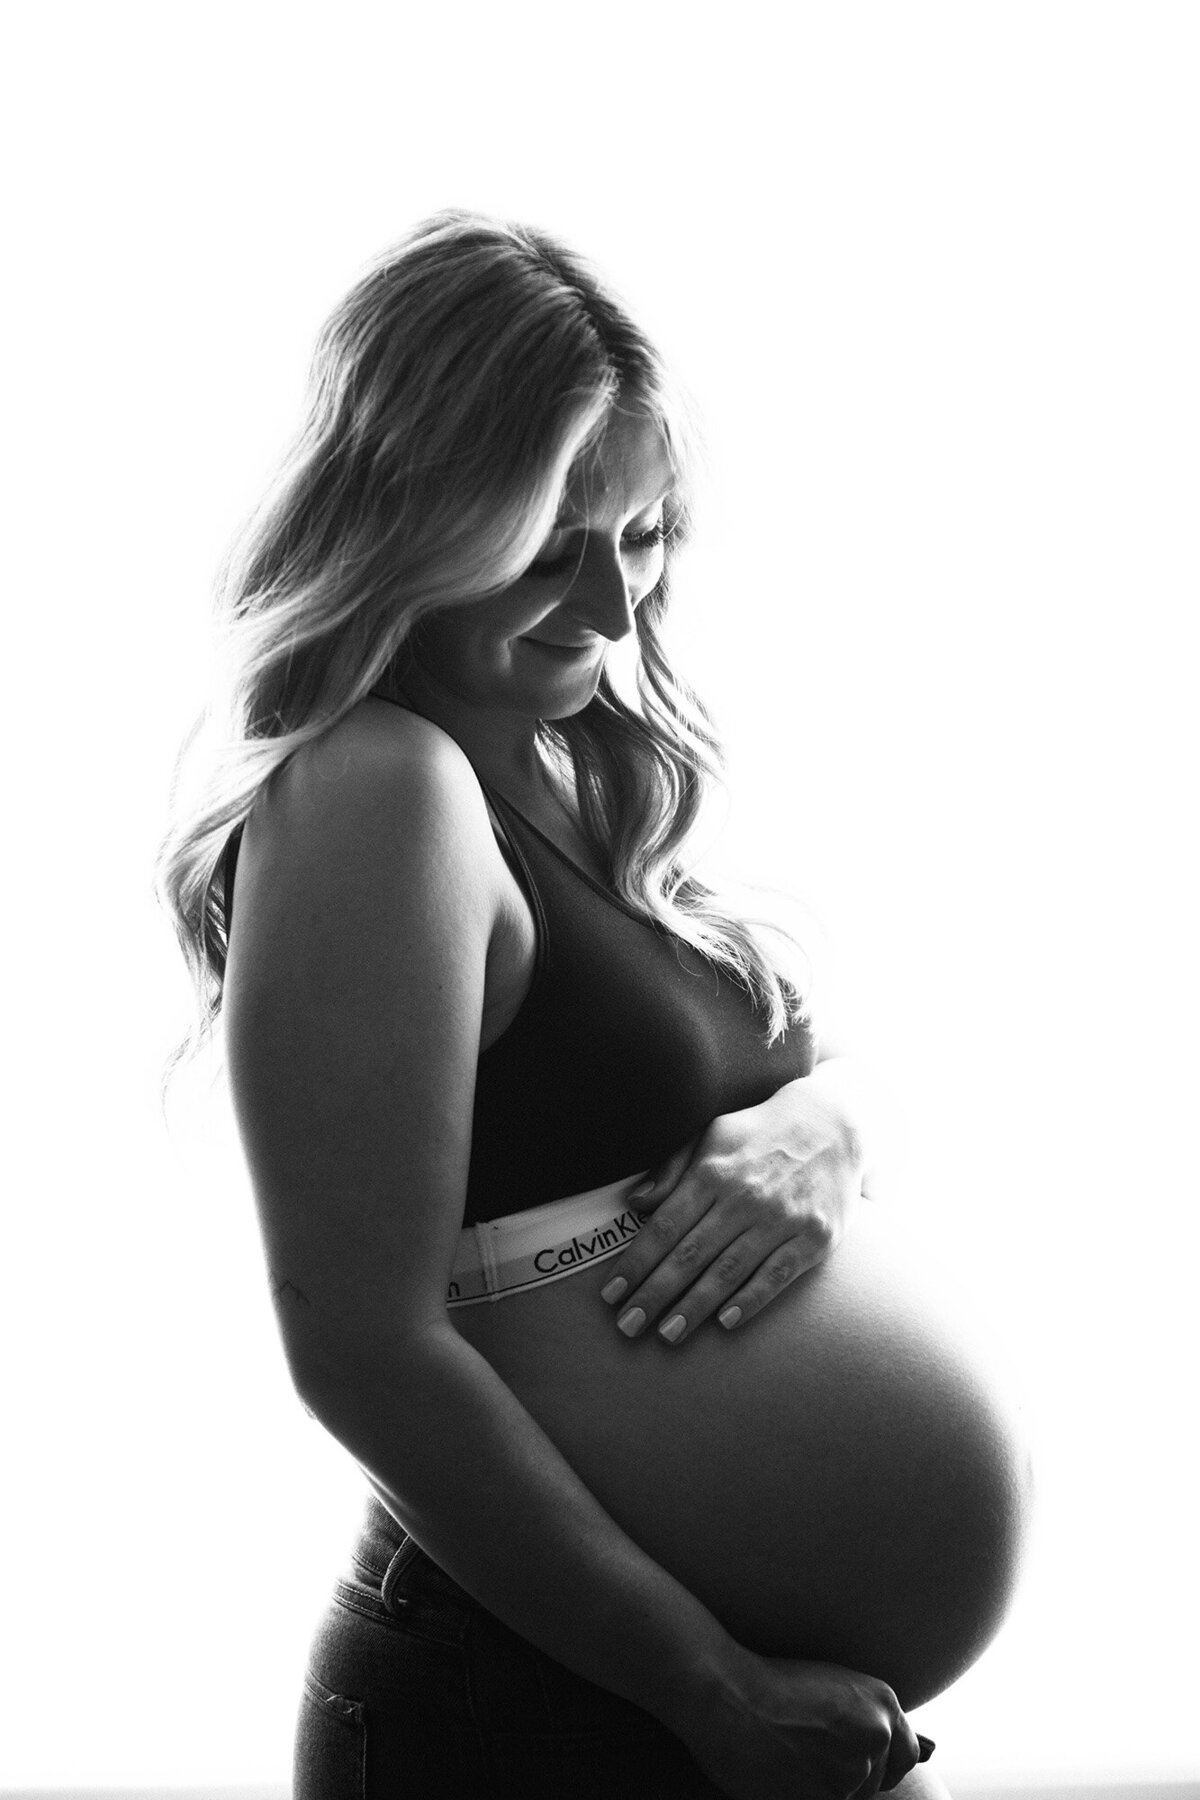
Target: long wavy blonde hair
pixel 453 392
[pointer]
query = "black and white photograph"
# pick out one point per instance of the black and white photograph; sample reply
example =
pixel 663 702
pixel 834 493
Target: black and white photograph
pixel 603 748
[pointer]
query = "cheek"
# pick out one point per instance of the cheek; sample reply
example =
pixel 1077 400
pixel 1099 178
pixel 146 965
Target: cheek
pixel 475 639
pixel 442 644
pixel 648 579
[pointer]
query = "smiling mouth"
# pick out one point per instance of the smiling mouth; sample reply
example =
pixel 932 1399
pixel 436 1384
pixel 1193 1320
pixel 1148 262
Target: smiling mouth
pixel 559 649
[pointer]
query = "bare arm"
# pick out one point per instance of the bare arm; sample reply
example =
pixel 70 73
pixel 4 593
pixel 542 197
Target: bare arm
pixel 354 993
pixel 355 989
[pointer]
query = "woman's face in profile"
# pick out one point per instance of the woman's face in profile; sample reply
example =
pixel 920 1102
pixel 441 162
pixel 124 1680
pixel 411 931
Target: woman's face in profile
pixel 538 647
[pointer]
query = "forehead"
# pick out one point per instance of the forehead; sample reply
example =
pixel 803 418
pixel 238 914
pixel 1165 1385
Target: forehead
pixel 629 469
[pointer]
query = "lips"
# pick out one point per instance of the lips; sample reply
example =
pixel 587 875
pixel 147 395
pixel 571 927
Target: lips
pixel 560 649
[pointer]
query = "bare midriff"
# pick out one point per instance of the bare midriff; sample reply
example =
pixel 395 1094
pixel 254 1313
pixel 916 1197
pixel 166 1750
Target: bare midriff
pixel 840 1478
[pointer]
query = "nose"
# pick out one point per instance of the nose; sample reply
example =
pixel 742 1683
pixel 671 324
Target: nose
pixel 601 596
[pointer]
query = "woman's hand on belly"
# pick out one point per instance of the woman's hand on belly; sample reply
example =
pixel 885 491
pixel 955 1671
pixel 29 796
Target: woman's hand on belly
pixel 787 1728
pixel 737 1215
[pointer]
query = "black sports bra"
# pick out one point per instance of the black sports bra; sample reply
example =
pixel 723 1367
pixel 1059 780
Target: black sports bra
pixel 626 1046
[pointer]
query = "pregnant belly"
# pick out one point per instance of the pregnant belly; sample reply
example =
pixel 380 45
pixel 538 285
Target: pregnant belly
pixel 838 1479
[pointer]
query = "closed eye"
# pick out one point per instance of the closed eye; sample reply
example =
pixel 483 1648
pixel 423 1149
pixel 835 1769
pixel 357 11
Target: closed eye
pixel 637 543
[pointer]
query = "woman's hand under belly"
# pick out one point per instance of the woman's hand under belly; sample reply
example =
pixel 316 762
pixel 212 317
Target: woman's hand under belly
pixel 837 1480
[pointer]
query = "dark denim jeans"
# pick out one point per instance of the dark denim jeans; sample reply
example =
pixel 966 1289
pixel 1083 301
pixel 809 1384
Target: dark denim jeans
pixel 414 1692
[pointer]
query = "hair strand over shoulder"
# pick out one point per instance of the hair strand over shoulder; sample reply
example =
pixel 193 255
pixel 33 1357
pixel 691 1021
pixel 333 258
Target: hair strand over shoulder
pixel 452 393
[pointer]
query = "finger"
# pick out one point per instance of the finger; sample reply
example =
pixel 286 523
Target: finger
pixel 689 1283
pixel 667 1220
pixel 680 1241
pixel 735 1304
pixel 751 1273
pixel 738 1280
pixel 691 1259
pixel 903 1754
pixel 873 1782
pixel 663 1181
pixel 885 1775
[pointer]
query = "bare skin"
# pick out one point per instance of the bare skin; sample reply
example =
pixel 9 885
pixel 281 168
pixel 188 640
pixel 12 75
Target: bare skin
pixel 380 941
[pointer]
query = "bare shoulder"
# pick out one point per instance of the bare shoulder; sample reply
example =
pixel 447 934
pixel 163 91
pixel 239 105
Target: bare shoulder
pixel 354 996
pixel 384 805
pixel 378 735
pixel 380 766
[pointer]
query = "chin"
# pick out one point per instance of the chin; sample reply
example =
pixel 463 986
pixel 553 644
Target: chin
pixel 567 708
pixel 563 698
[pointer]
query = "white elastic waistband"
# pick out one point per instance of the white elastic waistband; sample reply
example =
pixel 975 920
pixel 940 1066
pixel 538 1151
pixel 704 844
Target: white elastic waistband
pixel 527 1249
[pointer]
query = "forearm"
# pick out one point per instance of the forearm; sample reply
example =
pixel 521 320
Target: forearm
pixel 458 1459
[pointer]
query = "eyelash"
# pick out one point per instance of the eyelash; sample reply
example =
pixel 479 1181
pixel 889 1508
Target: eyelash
pixel 644 541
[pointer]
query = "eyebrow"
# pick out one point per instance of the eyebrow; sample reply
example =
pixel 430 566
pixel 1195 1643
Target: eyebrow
pixel 564 523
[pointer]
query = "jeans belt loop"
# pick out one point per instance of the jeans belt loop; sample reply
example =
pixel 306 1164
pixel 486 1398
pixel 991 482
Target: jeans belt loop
pixel 392 1601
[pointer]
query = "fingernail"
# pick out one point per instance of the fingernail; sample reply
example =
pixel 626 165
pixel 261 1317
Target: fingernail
pixel 730 1317
pixel 616 1287
pixel 640 1192
pixel 927 1748
pixel 674 1328
pixel 632 1321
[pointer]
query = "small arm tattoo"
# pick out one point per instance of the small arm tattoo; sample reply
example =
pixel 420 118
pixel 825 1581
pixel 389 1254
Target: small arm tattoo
pixel 282 1289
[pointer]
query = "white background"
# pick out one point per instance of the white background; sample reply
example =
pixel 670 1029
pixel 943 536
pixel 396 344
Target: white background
pixel 931 271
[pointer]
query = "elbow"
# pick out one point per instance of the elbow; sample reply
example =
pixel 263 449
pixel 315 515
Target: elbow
pixel 347 1380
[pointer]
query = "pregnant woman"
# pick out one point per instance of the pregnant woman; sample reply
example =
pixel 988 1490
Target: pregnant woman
pixel 681 1484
